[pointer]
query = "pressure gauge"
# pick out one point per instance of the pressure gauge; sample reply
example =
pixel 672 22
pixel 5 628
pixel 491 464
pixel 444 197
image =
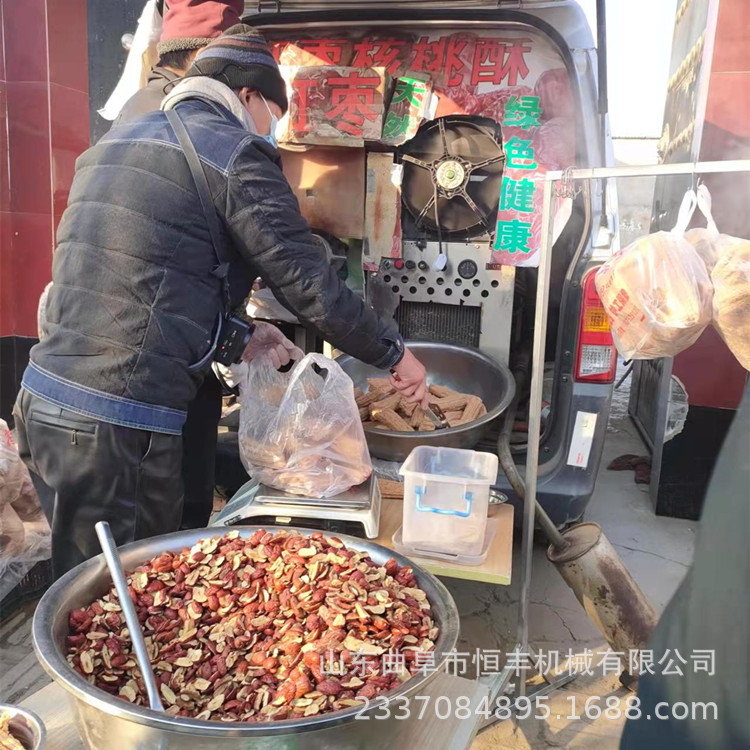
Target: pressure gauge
pixel 467 269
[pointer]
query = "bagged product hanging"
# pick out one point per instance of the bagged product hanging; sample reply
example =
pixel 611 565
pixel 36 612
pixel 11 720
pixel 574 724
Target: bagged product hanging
pixel 657 292
pixel 300 431
pixel 731 303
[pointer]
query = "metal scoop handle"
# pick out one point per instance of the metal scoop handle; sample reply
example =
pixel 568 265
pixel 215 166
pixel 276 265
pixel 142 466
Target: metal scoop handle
pixel 128 610
pixel 433 412
pixel 437 416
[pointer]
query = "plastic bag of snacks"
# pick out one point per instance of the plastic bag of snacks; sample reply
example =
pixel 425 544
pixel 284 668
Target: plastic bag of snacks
pixel 731 303
pixel 25 535
pixel 300 431
pixel 657 292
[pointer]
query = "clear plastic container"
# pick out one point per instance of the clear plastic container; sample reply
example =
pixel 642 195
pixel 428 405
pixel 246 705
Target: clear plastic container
pixel 473 560
pixel 446 494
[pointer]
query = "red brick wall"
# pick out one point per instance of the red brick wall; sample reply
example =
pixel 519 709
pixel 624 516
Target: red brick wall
pixel 44 105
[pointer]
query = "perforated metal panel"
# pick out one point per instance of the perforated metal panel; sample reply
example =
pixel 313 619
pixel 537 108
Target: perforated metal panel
pixel 450 324
pixel 465 303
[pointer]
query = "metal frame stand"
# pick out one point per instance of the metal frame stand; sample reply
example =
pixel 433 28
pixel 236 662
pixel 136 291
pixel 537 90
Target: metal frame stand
pixel 502 681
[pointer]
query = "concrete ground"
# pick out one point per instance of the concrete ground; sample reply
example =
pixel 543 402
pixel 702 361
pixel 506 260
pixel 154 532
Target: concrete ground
pixel 656 550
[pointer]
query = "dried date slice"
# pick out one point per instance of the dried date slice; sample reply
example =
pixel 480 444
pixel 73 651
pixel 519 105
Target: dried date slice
pixel 261 628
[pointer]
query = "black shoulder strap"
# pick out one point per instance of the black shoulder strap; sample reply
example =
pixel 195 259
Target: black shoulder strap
pixel 204 194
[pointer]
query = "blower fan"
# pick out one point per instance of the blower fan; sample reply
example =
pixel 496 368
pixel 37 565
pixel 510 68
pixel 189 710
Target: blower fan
pixel 453 168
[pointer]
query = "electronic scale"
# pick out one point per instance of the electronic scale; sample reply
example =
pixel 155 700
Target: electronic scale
pixel 355 512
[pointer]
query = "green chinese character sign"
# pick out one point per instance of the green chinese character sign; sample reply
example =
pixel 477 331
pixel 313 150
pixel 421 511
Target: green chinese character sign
pixel 519 154
pixel 517 195
pixel 513 236
pixel 411 90
pixel 523 112
pixel 395 126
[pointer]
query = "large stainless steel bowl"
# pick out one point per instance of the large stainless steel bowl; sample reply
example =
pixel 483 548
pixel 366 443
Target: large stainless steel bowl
pixel 109 723
pixel 458 367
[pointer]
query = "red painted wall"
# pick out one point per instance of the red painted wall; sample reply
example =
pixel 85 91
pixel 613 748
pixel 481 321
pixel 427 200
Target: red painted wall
pixel 44 105
pixel 726 135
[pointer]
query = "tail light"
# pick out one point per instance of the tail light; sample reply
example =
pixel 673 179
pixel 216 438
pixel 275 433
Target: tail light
pixel 596 357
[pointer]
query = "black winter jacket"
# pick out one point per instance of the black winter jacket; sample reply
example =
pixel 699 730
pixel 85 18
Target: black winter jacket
pixel 148 99
pixel 133 310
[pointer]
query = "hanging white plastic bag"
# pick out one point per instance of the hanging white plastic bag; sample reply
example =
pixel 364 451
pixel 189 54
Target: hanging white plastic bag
pixel 141 59
pixel 731 303
pixel 300 431
pixel 703 239
pixel 657 292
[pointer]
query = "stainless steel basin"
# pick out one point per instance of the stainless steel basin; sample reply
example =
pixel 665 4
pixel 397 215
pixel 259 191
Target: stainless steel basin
pixel 109 723
pixel 461 368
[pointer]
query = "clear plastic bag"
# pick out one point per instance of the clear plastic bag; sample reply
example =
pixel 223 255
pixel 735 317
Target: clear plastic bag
pixel 677 409
pixel 703 239
pixel 657 293
pixel 25 535
pixel 731 302
pixel 300 431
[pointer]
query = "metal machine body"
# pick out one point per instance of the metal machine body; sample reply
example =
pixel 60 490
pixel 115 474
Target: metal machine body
pixel 464 303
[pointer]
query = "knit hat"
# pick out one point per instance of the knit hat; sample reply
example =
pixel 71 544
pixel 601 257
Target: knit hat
pixel 241 57
pixel 192 24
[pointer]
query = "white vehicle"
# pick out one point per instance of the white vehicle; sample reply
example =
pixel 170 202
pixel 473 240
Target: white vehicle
pixel 512 94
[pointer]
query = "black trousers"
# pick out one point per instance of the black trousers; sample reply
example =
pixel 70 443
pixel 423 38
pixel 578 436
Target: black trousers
pixel 87 471
pixel 199 438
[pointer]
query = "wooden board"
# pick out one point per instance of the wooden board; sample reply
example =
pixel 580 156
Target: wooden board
pixel 497 568
pixel 382 212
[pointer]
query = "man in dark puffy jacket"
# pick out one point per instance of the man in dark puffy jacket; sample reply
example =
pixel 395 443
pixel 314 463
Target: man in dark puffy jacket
pixel 132 314
pixel 188 26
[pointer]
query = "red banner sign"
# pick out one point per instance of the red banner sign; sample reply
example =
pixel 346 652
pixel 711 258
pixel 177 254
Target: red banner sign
pixel 335 105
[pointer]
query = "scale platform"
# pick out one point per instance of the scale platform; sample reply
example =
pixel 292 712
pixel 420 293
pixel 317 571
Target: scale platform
pixel 355 512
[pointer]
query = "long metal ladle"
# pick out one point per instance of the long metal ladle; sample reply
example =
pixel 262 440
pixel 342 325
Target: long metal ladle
pixel 128 610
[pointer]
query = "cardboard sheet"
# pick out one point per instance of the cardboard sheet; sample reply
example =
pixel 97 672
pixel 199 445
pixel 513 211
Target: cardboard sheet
pixel 329 183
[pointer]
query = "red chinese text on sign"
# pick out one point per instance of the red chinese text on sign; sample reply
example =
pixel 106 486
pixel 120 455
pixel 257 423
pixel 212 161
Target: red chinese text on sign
pixel 498 59
pixel 301 87
pixel 328 51
pixel 378 53
pixel 441 54
pixel 353 99
pixel 428 55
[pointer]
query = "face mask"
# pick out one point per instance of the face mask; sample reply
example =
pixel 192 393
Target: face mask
pixel 271 137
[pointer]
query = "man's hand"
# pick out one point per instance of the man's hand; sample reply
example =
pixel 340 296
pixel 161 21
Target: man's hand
pixel 410 378
pixel 267 339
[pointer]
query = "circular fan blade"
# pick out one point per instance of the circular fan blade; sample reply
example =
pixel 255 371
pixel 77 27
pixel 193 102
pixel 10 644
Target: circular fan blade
pixel 414 160
pixel 472 208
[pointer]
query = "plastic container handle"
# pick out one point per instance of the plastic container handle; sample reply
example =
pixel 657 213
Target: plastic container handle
pixel 468 496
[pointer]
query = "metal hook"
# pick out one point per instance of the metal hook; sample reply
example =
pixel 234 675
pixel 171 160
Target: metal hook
pixel 695 178
pixel 567 187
